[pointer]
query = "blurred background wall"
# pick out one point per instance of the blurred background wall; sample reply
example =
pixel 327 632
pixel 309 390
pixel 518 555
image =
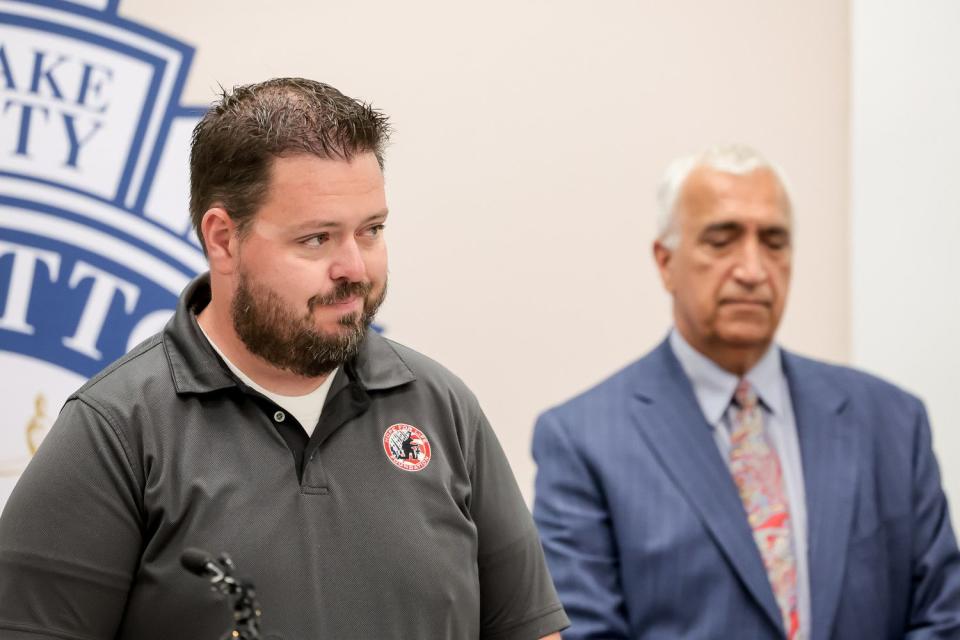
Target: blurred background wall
pixel 529 137
pixel 905 207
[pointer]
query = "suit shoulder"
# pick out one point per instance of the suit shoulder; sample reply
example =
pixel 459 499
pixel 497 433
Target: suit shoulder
pixel 856 383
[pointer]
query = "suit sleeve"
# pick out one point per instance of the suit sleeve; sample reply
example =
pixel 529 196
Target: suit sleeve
pixel 935 602
pixel 571 512
pixel 517 597
pixel 70 534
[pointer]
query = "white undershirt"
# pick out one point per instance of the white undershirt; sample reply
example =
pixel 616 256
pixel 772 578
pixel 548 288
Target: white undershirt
pixel 306 408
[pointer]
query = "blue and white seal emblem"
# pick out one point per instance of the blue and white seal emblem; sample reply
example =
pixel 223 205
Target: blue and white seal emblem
pixel 95 240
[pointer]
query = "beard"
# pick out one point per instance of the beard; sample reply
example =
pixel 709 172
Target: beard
pixel 273 331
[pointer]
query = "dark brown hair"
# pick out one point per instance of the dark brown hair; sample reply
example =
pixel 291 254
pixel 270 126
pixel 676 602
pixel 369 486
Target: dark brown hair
pixel 236 141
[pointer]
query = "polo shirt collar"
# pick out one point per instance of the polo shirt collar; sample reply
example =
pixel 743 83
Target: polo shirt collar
pixel 196 368
pixel 714 386
pixel 194 365
pixel 379 366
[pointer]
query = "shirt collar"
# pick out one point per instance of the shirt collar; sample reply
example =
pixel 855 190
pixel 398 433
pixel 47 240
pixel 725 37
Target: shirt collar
pixel 714 386
pixel 196 368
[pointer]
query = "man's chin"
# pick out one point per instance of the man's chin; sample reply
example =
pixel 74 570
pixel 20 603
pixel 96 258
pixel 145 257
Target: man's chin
pixel 331 323
pixel 747 334
pixel 338 330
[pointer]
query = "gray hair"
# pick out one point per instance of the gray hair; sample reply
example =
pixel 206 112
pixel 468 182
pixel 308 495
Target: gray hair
pixel 736 159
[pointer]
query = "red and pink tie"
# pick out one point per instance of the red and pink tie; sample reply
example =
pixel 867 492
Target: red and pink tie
pixel 759 479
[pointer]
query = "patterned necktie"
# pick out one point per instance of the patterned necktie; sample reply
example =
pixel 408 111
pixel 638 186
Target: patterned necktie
pixel 759 479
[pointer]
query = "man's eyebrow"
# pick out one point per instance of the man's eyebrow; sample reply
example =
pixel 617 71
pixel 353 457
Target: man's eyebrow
pixel 731 226
pixel 776 228
pixel 319 225
pixel 721 227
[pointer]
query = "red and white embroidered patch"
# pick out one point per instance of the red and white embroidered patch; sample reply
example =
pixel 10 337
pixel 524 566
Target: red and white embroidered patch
pixel 406 447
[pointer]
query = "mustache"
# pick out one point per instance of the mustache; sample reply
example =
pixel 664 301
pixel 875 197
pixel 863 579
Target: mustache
pixel 342 292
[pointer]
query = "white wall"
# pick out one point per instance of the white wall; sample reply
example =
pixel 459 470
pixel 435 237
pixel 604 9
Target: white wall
pixel 906 207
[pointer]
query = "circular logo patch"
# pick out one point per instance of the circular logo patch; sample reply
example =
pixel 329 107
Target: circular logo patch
pixel 406 447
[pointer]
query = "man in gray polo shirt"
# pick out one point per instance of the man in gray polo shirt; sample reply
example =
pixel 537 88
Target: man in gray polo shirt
pixel 391 513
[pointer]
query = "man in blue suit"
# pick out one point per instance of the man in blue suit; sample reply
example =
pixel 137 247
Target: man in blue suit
pixel 721 487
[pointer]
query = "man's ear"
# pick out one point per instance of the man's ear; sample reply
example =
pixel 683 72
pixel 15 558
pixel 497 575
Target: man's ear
pixel 220 238
pixel 662 256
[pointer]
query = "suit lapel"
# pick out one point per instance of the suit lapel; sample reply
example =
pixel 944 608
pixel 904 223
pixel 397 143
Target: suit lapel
pixel 828 449
pixel 674 427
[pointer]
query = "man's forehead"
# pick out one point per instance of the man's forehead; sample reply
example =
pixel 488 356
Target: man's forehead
pixel 709 193
pixel 327 175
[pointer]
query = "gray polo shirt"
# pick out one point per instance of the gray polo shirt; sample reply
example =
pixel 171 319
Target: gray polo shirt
pixel 398 518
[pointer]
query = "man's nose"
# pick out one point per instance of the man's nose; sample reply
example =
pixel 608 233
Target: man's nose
pixel 348 263
pixel 750 269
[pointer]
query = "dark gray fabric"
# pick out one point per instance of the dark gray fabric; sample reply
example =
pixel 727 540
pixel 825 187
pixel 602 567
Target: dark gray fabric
pixel 164 451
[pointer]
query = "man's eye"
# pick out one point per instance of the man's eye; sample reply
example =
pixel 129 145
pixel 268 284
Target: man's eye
pixel 718 242
pixel 315 240
pixel 375 230
pixel 777 241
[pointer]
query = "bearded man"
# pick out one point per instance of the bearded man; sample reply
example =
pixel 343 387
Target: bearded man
pixel 266 421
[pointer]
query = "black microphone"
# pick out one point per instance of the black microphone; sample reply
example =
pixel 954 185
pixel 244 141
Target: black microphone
pixel 199 563
pixel 246 611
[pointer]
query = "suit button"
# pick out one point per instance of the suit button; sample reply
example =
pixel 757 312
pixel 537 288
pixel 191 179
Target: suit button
pixel 279 416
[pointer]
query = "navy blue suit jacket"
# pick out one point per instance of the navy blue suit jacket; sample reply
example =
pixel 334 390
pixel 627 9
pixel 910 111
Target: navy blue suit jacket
pixel 646 536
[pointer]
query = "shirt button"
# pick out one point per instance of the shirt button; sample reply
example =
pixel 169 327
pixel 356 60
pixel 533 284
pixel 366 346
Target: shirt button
pixel 279 416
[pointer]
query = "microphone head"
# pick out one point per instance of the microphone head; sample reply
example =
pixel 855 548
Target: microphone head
pixel 195 561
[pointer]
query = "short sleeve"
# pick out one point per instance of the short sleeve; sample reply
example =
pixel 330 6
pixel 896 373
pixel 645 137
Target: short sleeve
pixel 70 534
pixel 517 597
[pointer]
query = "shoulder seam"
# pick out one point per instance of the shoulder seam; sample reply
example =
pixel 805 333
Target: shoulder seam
pixel 130 357
pixel 118 434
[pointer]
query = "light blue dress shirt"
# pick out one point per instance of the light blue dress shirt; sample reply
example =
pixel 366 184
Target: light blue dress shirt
pixel 714 388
